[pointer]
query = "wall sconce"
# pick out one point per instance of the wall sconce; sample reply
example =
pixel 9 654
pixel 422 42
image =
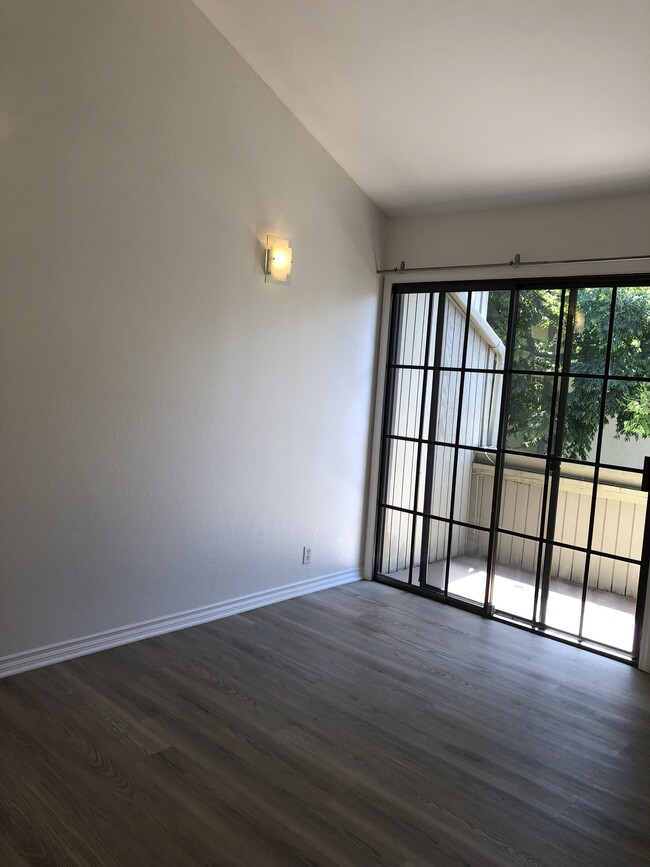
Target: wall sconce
pixel 277 260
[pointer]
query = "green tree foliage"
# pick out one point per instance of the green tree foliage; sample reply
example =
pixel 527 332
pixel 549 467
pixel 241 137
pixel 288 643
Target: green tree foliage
pixel 627 404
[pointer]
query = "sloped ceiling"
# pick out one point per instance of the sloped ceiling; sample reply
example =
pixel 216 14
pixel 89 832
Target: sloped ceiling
pixel 439 105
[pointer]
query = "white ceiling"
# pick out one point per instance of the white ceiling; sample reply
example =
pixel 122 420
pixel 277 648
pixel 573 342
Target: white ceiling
pixel 437 105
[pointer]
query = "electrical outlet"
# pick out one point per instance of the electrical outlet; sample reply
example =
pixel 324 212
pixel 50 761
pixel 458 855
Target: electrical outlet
pixel 306 555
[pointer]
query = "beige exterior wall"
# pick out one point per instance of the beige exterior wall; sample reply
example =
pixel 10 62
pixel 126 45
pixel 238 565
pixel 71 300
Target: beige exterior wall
pixel 618 528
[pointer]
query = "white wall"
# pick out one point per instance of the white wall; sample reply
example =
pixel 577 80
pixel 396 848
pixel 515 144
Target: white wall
pixel 570 230
pixel 172 429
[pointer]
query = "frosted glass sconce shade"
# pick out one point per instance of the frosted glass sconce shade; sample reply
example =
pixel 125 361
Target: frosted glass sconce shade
pixel 277 261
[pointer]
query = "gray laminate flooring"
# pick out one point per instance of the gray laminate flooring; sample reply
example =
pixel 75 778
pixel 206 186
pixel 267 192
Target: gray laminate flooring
pixel 356 726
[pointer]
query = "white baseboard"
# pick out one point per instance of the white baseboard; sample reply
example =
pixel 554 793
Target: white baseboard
pixel 41 656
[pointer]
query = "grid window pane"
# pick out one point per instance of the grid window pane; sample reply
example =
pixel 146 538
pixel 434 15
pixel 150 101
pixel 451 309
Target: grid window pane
pixel 591 330
pixel 401 474
pixel 609 613
pixel 581 420
pixel 407 406
pixel 619 519
pixel 453 335
pixel 522 493
pixel 438 533
pixel 564 597
pixel 574 498
pixel 447 407
pixel 468 563
pixel 618 448
pixel 476 508
pixel 630 354
pixel 514 576
pixel 443 469
pixel 414 312
pixel 396 548
pixel 481 406
pixel 529 413
pixel 538 329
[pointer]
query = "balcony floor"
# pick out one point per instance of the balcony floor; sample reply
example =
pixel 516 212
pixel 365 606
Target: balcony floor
pixel 609 618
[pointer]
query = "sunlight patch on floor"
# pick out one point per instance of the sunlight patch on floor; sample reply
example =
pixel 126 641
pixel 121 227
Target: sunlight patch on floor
pixel 609 618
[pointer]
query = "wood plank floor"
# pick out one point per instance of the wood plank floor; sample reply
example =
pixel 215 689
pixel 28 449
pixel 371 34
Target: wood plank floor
pixel 357 726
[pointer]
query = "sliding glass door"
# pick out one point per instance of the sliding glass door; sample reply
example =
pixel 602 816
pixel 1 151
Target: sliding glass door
pixel 516 427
